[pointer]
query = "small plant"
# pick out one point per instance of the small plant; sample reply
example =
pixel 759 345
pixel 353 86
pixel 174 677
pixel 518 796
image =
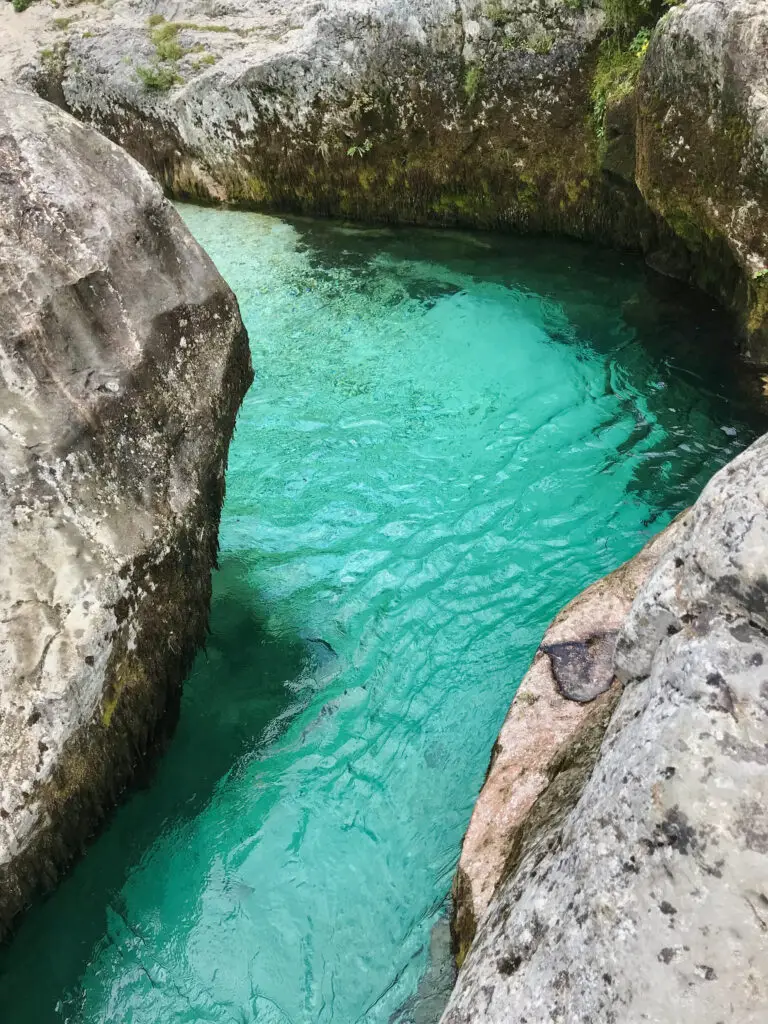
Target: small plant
pixel 167 45
pixel 540 41
pixel 158 78
pixel 365 147
pixel 616 74
pixel 473 80
pixel 496 12
pixel 205 61
pixel 21 5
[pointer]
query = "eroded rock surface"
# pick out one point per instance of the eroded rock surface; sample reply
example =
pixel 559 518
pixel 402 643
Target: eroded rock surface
pixel 123 361
pixel 650 901
pixel 519 114
pixel 550 740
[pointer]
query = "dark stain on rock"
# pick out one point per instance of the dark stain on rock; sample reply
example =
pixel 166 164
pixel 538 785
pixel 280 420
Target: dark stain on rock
pixel 583 669
pixel 507 965
pixel 707 973
pixel 673 831
pixel 667 908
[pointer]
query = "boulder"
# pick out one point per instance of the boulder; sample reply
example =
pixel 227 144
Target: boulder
pixel 702 153
pixel 123 361
pixel 474 112
pixel 648 900
pixel 516 114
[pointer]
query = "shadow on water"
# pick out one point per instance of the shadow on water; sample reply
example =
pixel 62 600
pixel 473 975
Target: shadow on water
pixel 660 337
pixel 236 691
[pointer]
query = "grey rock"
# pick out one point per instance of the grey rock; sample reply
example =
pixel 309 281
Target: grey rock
pixel 702 160
pixel 650 901
pixel 470 112
pixel 123 361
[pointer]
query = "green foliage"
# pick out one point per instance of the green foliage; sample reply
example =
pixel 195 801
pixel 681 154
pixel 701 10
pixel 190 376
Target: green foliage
pixel 165 38
pixel 360 150
pixel 540 41
pixel 206 60
pixel 496 12
pixel 625 18
pixel 616 73
pixel 158 77
pixel 21 5
pixel 473 81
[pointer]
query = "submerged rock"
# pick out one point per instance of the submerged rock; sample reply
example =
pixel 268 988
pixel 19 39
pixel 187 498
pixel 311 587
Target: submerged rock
pixel 123 361
pixel 649 900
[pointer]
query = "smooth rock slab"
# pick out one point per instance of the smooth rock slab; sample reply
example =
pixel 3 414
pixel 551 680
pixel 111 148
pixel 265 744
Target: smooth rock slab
pixel 550 739
pixel 123 361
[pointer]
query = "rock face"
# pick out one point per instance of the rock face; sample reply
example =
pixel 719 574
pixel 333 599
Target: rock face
pixel 123 361
pixel 519 114
pixel 702 154
pixel 649 901
pixel 550 740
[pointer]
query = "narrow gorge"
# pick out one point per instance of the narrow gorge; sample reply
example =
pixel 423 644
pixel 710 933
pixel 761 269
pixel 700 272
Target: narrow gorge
pixel 495 490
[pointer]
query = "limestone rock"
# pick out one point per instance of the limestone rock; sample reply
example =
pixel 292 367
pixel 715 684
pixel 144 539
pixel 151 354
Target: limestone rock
pixel 425 111
pixel 474 112
pixel 123 361
pixel 703 147
pixel 650 901
pixel 548 744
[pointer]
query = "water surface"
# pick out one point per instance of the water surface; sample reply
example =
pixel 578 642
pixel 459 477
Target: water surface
pixel 448 437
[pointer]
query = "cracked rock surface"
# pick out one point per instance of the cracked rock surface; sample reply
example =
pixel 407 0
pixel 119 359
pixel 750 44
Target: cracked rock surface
pixel 123 361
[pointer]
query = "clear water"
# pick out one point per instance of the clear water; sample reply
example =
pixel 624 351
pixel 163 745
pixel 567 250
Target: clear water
pixel 448 437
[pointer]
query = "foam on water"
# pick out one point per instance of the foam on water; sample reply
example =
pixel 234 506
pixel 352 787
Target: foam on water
pixel 448 437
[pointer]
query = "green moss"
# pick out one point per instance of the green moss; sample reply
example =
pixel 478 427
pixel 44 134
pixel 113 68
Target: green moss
pixel 757 320
pixel 469 204
pixel 258 190
pixel 366 176
pixel 473 81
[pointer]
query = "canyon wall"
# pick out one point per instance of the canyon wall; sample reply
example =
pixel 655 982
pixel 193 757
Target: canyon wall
pixel 567 116
pixel 123 361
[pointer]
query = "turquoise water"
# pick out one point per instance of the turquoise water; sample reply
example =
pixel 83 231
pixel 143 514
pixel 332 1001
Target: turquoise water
pixel 448 437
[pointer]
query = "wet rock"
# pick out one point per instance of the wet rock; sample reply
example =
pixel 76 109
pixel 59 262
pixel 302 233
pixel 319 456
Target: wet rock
pixel 648 900
pixel 123 361
pixel 583 669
